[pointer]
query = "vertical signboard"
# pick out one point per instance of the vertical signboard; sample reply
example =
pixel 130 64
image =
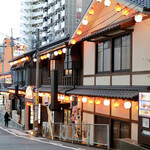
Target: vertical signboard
pixel 144 119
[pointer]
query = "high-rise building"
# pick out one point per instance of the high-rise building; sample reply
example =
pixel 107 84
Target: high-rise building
pixel 54 18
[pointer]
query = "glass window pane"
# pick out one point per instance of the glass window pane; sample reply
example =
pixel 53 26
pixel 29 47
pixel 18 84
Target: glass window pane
pixel 117 53
pixel 100 58
pixel 107 56
pixel 126 52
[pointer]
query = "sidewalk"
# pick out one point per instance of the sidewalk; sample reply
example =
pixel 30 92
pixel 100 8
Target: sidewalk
pixel 27 135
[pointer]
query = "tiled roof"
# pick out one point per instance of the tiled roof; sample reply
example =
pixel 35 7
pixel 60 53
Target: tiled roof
pixel 141 3
pixel 111 92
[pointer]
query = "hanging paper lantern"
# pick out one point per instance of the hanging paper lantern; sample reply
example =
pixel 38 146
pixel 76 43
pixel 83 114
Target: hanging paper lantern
pixel 98 102
pixel 138 17
pixel 59 52
pixel 118 7
pixel 73 41
pixel 127 105
pixel 125 11
pixel 64 50
pixel 79 32
pixel 91 101
pixel 99 0
pixel 48 55
pixel 107 3
pixel 91 12
pixel 84 99
pixel 116 104
pixel 84 22
pixel 106 102
pixel 56 53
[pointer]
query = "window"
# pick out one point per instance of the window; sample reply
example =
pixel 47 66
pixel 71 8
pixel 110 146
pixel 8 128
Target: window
pixel 103 57
pixel 121 53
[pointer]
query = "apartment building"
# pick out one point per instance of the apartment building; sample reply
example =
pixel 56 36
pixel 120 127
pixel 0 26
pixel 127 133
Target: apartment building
pixel 54 18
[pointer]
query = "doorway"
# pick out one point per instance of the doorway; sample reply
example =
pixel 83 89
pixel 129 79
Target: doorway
pixel 120 129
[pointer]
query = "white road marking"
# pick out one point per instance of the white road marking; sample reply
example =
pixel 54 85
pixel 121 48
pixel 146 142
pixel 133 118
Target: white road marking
pixel 51 143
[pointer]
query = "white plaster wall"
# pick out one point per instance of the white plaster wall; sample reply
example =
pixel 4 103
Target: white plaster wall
pixel 88 81
pixel 103 80
pixel 121 80
pixel 141 79
pixel 141 46
pixel 89 58
pixel 134 131
pixel 89 119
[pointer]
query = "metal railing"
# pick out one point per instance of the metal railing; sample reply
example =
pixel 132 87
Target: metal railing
pixel 89 134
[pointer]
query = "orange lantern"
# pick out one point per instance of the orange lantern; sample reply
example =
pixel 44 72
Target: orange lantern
pixel 116 104
pixel 79 32
pixel 73 41
pixel 137 107
pixel 91 12
pixel 67 98
pixel 79 98
pixel 118 7
pixel 98 102
pixel 90 101
pixel 59 52
pixel 125 12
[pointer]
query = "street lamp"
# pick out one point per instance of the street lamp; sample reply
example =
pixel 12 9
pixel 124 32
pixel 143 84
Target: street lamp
pixel 36 100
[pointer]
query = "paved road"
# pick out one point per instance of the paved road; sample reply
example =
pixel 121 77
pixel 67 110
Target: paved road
pixel 11 139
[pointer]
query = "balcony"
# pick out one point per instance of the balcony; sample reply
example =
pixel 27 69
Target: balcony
pixel 45 14
pixel 62 25
pixel 37 21
pixel 62 13
pixel 62 2
pixel 45 5
pixel 51 11
pixel 45 24
pixel 35 14
pixel 37 6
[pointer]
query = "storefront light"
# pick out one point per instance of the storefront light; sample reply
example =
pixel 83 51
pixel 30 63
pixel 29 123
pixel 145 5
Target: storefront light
pixel 106 102
pixel 137 107
pixel 98 102
pixel 91 12
pixel 99 0
pixel 48 55
pixel 40 94
pixel 85 22
pixel 91 101
pixel 116 104
pixel 55 53
pixel 62 97
pixel 138 18
pixel 73 41
pixel 59 52
pixel 79 32
pixel 71 98
pixel 125 11
pixel 107 3
pixel 84 99
pixel 34 60
pixel 64 50
pixel 118 7
pixel 127 105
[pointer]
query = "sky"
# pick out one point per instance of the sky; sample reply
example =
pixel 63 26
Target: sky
pixel 10 18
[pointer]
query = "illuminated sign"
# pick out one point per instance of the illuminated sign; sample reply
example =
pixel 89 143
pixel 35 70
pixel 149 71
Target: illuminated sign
pixel 144 104
pixel 19 50
pixel 29 92
pixel 1 99
pixel 8 80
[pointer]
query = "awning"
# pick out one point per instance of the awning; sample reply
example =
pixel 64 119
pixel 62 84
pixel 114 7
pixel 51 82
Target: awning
pixel 110 92
pixel 110 30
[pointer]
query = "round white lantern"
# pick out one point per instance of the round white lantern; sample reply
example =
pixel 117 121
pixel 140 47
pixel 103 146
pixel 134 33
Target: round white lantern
pixel 64 50
pixel 84 99
pixel 107 3
pixel 71 98
pixel 84 22
pixel 138 17
pixel 48 55
pixel 56 53
pixel 99 0
pixel 34 60
pixel 127 105
pixel 106 102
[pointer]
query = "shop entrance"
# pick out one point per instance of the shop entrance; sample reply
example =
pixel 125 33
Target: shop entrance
pixel 119 130
pixel 30 117
pixel 67 116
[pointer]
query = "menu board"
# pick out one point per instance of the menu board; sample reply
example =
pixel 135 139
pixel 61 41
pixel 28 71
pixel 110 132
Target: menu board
pixel 144 104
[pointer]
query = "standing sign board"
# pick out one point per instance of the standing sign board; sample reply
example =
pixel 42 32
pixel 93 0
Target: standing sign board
pixel 144 119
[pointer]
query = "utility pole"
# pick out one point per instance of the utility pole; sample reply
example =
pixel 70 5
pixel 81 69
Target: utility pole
pixel 12 43
pixel 36 103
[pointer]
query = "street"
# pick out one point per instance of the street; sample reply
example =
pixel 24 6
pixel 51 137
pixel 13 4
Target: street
pixel 11 139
